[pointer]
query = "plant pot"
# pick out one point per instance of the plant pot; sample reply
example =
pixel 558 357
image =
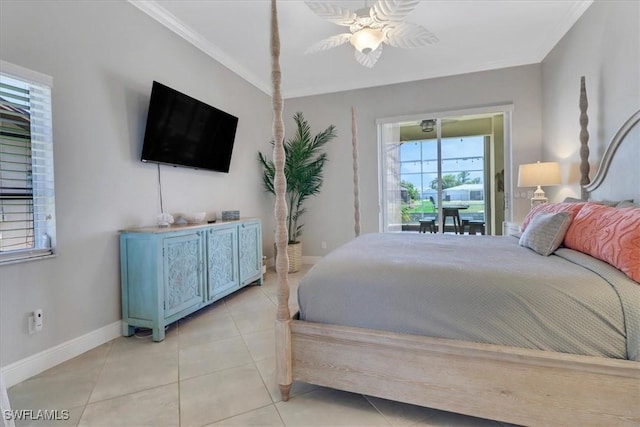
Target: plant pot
pixel 294 251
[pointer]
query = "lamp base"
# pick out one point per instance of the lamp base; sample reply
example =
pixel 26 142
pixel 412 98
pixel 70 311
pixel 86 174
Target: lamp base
pixel 538 197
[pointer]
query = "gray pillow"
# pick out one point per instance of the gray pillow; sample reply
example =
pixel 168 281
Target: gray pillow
pixel 611 203
pixel 627 204
pixel 572 200
pixel 545 232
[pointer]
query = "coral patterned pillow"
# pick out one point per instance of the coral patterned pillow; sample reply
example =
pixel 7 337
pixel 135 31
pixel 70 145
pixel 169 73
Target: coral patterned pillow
pixel 572 208
pixel 609 234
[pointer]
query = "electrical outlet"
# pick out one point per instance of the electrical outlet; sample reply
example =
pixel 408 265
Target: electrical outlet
pixel 36 321
pixel 324 245
pixel 39 320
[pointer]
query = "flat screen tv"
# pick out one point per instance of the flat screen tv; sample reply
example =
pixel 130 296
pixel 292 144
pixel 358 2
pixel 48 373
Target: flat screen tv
pixel 183 131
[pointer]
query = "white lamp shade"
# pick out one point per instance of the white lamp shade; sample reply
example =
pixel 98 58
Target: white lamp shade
pixel 538 174
pixel 367 39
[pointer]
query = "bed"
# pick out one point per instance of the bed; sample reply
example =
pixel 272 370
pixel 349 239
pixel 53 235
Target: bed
pixel 484 290
pixel 454 367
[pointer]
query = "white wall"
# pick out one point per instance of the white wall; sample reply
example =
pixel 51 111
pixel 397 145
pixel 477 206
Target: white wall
pixel 103 57
pixel 330 214
pixel 603 46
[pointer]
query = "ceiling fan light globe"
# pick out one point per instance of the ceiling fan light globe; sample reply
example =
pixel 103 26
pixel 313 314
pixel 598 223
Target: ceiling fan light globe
pixel 367 39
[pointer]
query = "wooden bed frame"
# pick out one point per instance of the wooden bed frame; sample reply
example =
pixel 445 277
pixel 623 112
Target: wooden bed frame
pixel 515 385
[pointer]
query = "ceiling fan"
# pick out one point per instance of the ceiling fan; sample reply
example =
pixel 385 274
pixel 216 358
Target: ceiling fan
pixel 370 27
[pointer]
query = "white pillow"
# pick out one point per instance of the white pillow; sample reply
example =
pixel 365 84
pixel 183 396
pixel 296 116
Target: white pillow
pixel 545 232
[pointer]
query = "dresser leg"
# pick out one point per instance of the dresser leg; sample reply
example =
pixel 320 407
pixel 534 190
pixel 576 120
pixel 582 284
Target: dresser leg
pixel 158 333
pixel 127 330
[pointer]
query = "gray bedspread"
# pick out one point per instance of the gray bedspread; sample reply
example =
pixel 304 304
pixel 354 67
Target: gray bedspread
pixel 476 288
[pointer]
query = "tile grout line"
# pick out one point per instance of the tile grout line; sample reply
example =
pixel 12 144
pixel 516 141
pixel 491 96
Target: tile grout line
pixel 275 406
pixel 111 344
pixel 253 363
pixel 95 383
pixel 378 410
pixel 273 402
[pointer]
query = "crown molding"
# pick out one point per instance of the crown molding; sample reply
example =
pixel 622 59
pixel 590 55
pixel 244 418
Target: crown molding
pixel 551 38
pixel 170 21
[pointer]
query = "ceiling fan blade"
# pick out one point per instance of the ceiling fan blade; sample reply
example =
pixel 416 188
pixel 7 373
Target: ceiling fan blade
pixel 386 11
pixel 332 13
pixel 370 59
pixel 329 43
pixel 406 35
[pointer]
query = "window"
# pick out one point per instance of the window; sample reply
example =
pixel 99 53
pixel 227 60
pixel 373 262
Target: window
pixel 27 203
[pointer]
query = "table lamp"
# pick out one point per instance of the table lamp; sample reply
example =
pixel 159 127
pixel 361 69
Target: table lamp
pixel 537 175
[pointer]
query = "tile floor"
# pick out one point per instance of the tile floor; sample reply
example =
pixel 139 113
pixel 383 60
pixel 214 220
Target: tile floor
pixel 215 368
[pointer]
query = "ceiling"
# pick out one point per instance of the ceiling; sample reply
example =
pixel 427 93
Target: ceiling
pixel 473 36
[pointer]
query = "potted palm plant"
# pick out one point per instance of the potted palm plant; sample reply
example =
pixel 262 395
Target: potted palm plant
pixel 304 162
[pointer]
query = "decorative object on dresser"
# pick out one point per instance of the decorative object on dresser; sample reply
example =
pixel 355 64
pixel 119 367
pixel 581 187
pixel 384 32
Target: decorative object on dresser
pixel 195 218
pixel 230 215
pixel 170 272
pixel 304 164
pixel 537 175
pixel 164 220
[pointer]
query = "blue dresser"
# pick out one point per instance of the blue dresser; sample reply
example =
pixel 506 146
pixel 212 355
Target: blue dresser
pixel 170 272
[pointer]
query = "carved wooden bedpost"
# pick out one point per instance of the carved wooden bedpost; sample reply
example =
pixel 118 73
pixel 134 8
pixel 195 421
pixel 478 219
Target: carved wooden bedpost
pixel 584 141
pixel 283 319
pixel 356 176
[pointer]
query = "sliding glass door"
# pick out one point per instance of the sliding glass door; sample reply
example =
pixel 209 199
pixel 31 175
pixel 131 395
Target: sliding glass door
pixel 439 178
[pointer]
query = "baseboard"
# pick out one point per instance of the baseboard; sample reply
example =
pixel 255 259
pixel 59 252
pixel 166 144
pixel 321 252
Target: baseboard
pixel 26 368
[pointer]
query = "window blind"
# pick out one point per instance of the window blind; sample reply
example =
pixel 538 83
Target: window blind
pixel 27 201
